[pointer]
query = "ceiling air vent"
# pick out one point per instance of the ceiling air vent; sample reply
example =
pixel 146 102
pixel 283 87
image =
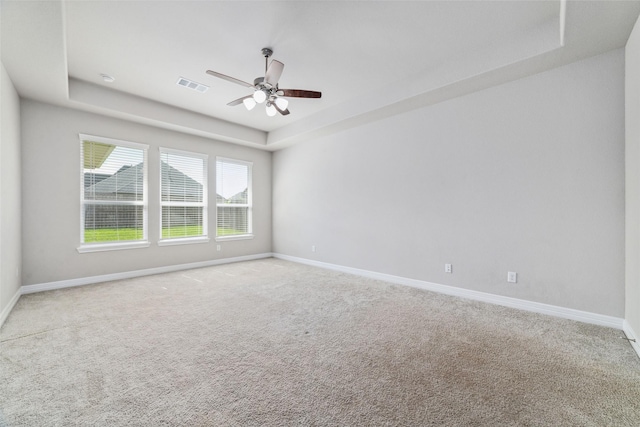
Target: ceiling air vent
pixel 192 85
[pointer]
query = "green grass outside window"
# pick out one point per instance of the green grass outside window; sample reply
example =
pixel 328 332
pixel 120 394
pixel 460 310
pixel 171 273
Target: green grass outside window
pixel 100 235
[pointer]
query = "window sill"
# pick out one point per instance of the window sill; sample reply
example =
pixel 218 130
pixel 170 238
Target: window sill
pixel 101 247
pixel 183 241
pixel 234 237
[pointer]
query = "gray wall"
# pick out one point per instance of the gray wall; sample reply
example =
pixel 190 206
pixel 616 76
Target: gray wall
pixel 632 155
pixel 51 196
pixel 526 177
pixel 10 203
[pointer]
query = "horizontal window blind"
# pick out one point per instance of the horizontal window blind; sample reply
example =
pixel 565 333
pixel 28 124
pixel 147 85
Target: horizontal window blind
pixel 183 196
pixel 233 197
pixel 113 196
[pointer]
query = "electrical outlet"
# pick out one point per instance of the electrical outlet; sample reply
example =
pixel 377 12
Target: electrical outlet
pixel 512 277
pixel 313 248
pixel 447 268
pixel 218 248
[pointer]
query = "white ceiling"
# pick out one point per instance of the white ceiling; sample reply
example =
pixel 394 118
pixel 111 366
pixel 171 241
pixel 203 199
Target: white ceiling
pixel 370 59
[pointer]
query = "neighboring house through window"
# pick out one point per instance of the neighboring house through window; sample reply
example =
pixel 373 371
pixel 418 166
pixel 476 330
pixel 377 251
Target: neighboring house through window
pixel 183 197
pixel 113 195
pixel 233 199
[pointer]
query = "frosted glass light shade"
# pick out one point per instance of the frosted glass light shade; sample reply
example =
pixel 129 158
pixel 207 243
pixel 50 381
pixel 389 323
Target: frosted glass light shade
pixel 282 103
pixel 259 96
pixel 271 110
pixel 249 103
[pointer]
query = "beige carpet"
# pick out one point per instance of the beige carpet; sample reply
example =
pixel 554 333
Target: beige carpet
pixel 273 343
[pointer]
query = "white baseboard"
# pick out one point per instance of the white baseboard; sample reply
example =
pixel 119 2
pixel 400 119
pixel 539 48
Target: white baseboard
pixel 40 287
pixel 536 307
pixel 567 313
pixel 5 313
pixel 633 337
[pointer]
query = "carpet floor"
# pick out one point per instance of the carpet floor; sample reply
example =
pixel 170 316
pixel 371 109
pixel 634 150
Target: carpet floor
pixel 275 343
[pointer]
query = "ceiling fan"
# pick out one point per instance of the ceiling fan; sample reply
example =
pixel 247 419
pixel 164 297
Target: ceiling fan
pixel 266 88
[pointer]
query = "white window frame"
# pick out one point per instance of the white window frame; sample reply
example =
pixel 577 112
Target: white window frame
pixel 249 205
pixel 204 238
pixel 116 245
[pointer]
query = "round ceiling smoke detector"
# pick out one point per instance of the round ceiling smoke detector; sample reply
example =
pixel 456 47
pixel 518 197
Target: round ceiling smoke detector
pixel 107 78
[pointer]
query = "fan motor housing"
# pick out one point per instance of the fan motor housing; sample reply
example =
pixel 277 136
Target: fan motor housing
pixel 260 84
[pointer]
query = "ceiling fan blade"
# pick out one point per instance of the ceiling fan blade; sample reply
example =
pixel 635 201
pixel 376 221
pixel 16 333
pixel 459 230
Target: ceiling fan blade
pixel 274 72
pixel 238 101
pixel 229 79
pixel 283 112
pixel 298 93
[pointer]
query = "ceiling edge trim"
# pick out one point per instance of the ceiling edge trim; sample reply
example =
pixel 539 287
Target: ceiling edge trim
pixel 113 103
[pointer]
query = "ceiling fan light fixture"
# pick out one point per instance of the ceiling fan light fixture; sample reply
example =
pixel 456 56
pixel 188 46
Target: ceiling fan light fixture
pixel 249 103
pixel 259 96
pixel 266 88
pixel 271 110
pixel 282 103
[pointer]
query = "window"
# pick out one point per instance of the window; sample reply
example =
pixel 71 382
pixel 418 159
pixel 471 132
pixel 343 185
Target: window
pixel 183 197
pixel 113 195
pixel 233 199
